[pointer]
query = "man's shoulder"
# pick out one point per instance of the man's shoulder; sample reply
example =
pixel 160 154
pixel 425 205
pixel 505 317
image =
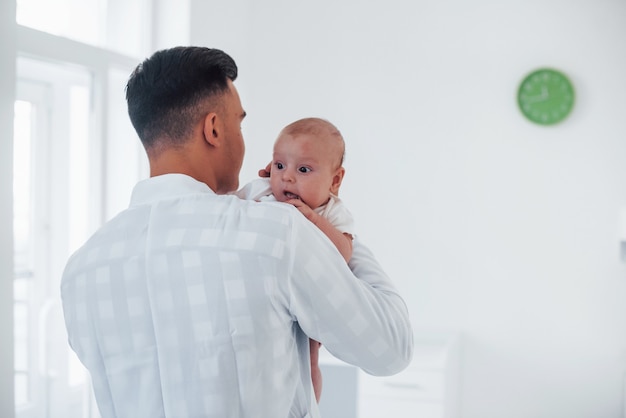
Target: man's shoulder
pixel 255 190
pixel 108 240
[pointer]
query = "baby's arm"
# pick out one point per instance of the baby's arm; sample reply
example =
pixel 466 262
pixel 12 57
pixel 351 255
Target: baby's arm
pixel 342 241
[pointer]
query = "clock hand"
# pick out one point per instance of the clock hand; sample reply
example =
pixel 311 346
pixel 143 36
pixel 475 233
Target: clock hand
pixel 540 98
pixel 535 99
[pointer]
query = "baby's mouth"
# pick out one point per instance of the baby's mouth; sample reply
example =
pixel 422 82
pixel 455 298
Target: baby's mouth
pixel 290 195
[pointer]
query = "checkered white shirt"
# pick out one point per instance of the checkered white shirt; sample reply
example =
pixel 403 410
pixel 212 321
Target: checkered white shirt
pixel 191 304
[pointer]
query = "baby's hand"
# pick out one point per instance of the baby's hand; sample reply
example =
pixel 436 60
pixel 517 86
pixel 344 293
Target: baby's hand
pixel 303 208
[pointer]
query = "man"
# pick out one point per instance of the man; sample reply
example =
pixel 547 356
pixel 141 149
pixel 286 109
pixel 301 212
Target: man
pixel 194 303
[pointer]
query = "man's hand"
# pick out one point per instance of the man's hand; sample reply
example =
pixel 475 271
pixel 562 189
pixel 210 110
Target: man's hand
pixel 265 172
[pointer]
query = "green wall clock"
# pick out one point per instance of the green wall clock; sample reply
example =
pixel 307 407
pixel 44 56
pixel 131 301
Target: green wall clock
pixel 546 96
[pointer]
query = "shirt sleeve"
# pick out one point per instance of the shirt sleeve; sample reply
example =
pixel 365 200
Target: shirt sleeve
pixel 355 311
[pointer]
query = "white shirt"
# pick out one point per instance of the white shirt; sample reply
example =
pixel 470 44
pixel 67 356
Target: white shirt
pixel 191 304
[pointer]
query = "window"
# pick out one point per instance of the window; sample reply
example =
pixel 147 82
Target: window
pixel 52 155
pixel 117 25
pixel 73 170
pixel 23 242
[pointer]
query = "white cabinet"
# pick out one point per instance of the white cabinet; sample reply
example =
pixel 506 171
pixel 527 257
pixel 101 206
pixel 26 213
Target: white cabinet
pixel 427 388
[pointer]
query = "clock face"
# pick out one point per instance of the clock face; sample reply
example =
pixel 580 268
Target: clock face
pixel 546 96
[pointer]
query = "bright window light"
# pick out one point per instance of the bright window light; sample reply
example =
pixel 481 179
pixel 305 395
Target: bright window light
pixel 79 166
pixel 118 25
pixel 80 20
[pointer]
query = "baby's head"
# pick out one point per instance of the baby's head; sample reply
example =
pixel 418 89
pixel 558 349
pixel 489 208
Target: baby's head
pixel 307 162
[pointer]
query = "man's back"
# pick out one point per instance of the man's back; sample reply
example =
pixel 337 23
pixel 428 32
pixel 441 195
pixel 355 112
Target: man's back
pixel 179 297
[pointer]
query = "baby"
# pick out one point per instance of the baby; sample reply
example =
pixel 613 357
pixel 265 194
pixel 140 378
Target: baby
pixel 306 171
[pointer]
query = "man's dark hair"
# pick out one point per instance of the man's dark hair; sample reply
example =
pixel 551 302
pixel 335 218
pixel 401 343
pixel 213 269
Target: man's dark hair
pixel 168 92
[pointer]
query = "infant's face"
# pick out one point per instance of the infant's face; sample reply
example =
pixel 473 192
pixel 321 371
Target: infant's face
pixel 303 167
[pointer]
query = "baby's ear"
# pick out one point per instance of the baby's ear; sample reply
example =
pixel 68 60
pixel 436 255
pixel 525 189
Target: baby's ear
pixel 337 179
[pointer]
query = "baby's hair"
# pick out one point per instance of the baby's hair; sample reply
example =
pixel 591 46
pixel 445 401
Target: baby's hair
pixel 316 127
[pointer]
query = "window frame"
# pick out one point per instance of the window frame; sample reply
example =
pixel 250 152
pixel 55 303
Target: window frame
pixel 37 46
pixel 166 18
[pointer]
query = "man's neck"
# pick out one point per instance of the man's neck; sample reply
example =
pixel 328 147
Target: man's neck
pixel 170 162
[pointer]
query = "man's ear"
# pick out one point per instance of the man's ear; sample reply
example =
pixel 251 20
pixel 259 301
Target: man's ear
pixel 337 179
pixel 211 129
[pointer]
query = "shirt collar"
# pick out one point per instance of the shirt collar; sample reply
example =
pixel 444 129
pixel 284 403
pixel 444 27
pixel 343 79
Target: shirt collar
pixel 166 186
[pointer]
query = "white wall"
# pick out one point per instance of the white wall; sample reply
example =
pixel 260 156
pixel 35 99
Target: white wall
pixel 492 226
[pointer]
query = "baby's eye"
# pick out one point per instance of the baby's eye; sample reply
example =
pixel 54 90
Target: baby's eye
pixel 304 169
pixel 279 166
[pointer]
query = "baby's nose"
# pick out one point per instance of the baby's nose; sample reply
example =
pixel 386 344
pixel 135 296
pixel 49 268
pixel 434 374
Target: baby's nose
pixel 288 175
